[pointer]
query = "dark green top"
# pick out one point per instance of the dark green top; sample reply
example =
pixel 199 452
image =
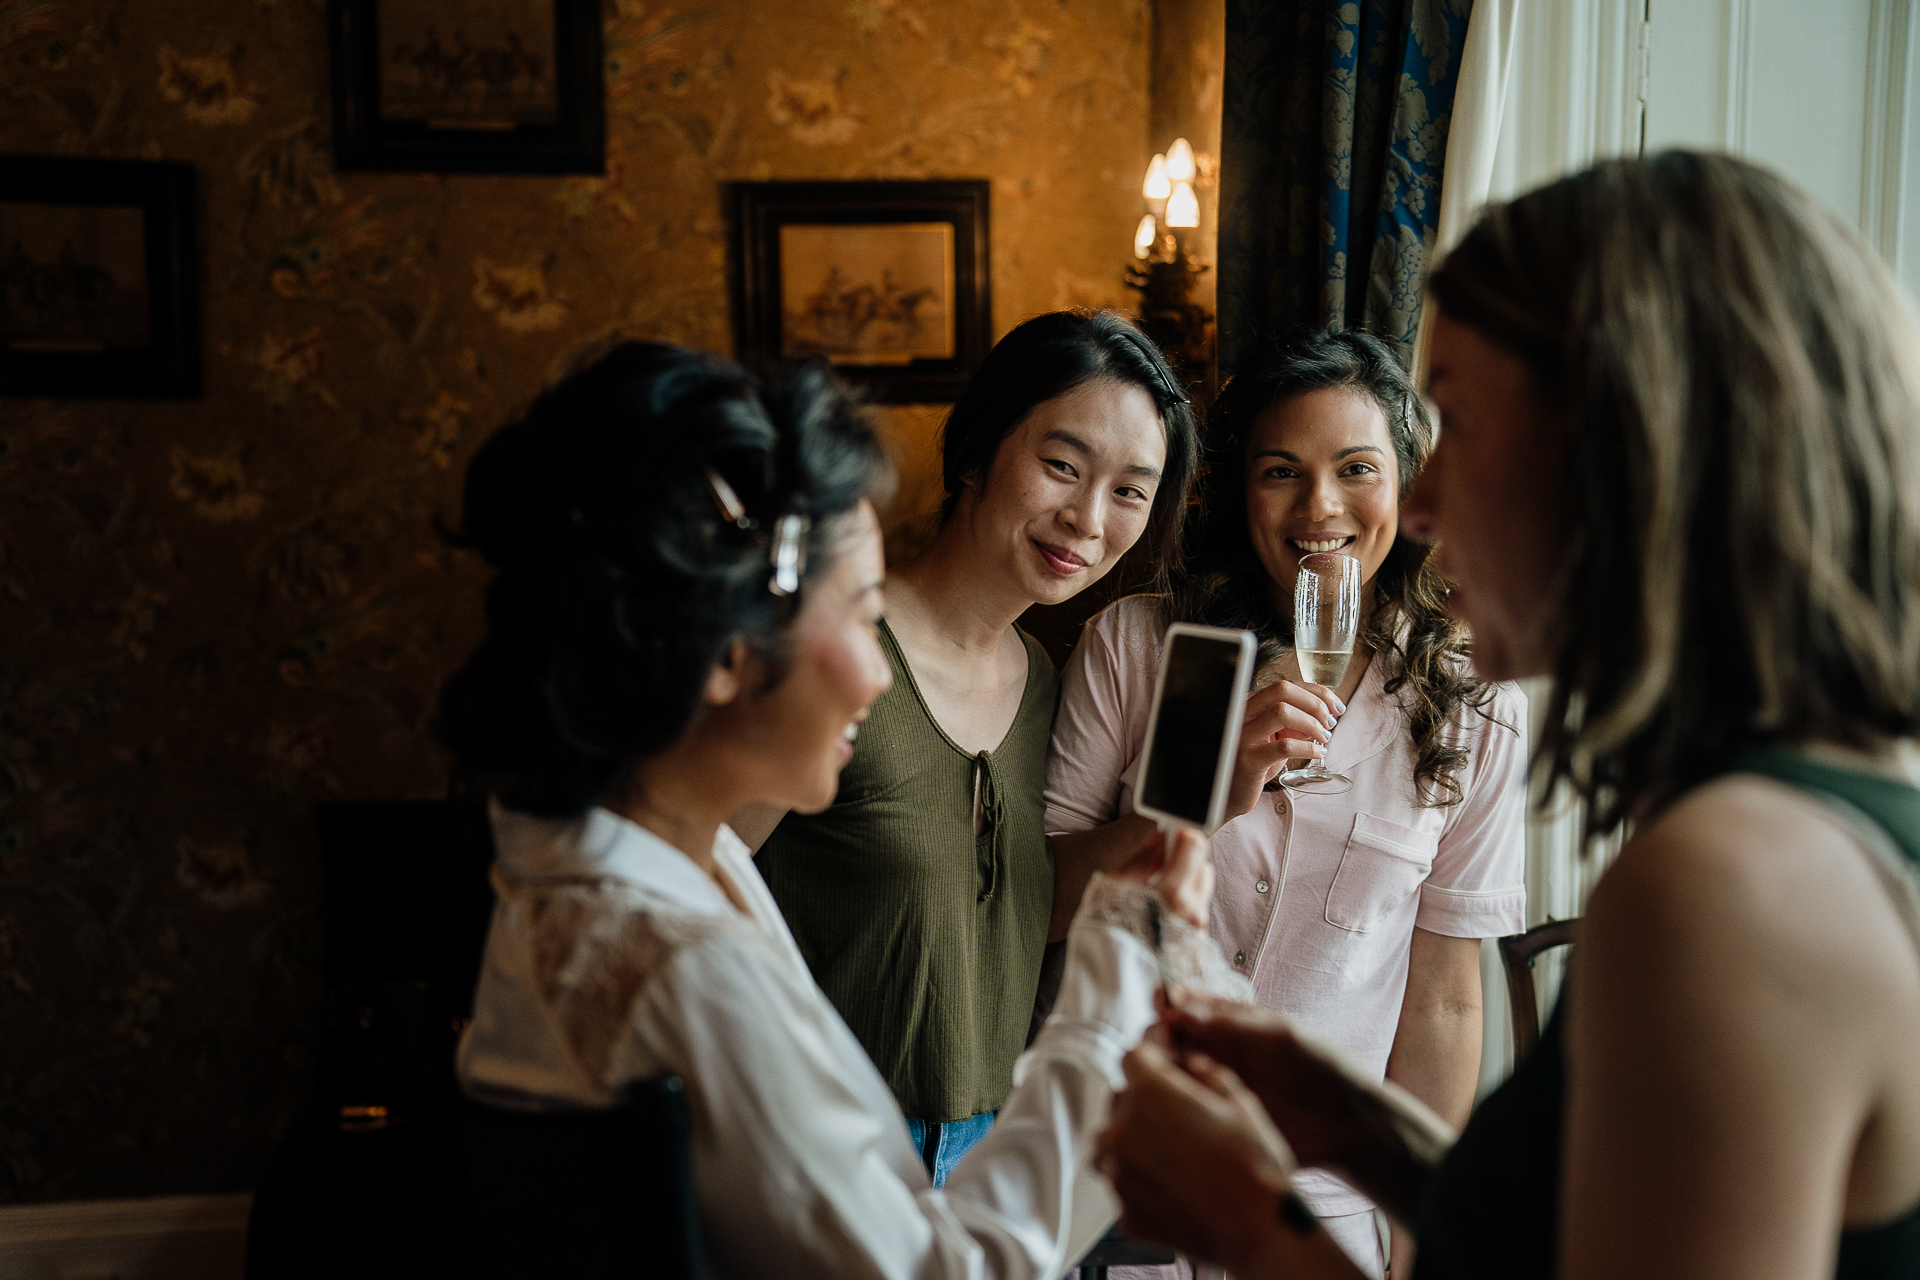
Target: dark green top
pixel 927 939
pixel 1494 1208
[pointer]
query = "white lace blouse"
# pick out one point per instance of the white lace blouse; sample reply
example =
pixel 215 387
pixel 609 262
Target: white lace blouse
pixel 613 957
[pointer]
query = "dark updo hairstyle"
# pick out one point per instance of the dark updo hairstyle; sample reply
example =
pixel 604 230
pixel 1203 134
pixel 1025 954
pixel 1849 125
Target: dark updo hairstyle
pixel 1047 357
pixel 1409 629
pixel 621 581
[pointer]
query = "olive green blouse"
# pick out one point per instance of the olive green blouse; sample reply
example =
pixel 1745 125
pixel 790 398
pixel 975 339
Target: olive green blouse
pixel 927 938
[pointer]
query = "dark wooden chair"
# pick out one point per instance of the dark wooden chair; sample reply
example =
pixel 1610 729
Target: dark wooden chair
pixel 590 1195
pixel 367 1180
pixel 1517 953
pixel 1115 1250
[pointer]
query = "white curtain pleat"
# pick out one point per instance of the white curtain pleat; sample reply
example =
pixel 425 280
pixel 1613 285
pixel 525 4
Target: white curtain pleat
pixel 1558 882
pixel 1479 145
pixel 1473 142
pixel 1473 136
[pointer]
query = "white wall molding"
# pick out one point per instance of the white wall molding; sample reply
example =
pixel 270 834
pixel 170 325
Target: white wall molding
pixel 1883 161
pixel 162 1238
pixel 1737 57
pixel 1907 260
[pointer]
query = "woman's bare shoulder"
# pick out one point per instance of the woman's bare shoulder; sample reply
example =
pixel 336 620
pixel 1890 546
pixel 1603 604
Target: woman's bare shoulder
pixel 1747 885
pixel 1743 984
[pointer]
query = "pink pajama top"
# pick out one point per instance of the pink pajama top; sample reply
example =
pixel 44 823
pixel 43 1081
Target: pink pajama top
pixel 1316 896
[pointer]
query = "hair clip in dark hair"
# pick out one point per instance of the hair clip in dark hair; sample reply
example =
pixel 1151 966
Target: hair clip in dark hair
pixel 789 550
pixel 1167 380
pixel 789 554
pixel 734 511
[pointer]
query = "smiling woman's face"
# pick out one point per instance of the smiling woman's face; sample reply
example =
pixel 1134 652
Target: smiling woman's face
pixel 799 734
pixel 1321 476
pixel 1071 489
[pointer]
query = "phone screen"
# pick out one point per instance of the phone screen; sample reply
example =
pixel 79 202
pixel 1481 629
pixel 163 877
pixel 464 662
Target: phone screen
pixel 1196 697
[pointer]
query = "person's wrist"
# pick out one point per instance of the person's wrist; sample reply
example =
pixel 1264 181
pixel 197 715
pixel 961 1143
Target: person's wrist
pixel 1270 1244
pixel 1256 1237
pixel 1363 1159
pixel 1260 1250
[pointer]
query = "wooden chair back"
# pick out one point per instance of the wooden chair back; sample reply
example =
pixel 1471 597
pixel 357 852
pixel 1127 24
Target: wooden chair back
pixel 1517 953
pixel 591 1195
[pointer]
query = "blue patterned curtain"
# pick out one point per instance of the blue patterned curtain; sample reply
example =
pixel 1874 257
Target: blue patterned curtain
pixel 1333 138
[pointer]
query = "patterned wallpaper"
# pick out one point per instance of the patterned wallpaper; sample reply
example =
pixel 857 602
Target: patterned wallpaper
pixel 215 614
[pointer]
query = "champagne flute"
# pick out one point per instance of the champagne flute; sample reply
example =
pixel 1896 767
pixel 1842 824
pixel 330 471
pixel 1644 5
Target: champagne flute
pixel 1326 621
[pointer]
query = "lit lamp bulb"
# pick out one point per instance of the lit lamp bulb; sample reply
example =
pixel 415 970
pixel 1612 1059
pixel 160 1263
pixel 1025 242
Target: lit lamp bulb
pixel 1182 209
pixel 1157 187
pixel 1144 237
pixel 1180 161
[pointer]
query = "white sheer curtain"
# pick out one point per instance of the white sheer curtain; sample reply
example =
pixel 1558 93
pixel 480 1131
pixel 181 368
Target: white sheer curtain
pixel 1522 114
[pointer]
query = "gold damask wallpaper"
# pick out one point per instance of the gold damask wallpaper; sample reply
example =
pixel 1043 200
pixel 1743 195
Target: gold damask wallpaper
pixel 215 614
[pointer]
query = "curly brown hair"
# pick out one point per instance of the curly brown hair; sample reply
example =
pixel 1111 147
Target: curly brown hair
pixel 1409 627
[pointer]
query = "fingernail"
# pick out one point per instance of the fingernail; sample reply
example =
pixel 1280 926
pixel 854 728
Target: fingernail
pixel 1332 723
pixel 1340 706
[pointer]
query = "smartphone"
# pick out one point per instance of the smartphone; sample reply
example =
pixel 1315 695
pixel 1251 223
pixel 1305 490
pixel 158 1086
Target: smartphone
pixel 1193 731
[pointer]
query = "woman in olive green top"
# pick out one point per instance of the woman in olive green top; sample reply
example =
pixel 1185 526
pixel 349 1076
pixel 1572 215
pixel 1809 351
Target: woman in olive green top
pixel 924 897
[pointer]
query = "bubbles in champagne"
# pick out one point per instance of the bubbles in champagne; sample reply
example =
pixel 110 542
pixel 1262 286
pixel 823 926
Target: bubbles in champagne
pixel 1324 666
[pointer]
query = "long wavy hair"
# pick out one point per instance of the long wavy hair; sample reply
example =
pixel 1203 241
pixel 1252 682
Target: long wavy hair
pixel 1738 385
pixel 1408 628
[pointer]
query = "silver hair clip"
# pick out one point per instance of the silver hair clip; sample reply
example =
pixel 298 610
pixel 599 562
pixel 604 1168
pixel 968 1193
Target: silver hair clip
pixel 728 501
pixel 1171 389
pixel 789 554
pixel 789 550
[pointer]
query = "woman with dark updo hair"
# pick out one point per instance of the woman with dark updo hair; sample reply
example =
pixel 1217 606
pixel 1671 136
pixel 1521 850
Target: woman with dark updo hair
pixel 684 623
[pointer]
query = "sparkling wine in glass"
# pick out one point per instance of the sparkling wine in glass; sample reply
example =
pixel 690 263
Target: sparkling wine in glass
pixel 1326 622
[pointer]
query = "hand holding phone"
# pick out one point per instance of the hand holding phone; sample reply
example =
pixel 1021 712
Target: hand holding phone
pixel 1193 730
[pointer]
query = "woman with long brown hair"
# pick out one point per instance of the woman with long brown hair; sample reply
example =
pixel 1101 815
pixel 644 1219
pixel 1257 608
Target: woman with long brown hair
pixel 1358 915
pixel 1680 475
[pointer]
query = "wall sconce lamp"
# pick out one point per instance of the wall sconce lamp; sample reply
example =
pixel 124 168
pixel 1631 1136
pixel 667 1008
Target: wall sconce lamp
pixel 1183 207
pixel 1144 237
pixel 1180 161
pixel 1159 184
pixel 1164 268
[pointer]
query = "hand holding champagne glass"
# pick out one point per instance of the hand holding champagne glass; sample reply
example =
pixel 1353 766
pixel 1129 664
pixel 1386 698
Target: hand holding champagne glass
pixel 1326 622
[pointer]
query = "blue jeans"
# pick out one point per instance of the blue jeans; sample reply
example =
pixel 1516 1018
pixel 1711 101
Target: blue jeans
pixel 942 1144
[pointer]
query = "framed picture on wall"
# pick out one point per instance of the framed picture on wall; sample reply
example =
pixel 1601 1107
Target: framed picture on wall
pixel 886 280
pixel 485 86
pixel 99 279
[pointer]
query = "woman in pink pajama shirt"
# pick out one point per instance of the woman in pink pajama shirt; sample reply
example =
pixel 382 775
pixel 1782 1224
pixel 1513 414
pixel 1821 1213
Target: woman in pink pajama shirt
pixel 1357 915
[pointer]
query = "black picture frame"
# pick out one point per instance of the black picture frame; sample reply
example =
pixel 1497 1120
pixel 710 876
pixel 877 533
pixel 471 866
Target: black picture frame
pixel 763 322
pixel 368 138
pixel 73 322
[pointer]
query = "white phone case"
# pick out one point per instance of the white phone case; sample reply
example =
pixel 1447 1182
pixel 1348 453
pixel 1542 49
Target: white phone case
pixel 1229 740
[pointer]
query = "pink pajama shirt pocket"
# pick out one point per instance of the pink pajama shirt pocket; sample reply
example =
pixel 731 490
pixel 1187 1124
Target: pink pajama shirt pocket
pixel 1384 864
